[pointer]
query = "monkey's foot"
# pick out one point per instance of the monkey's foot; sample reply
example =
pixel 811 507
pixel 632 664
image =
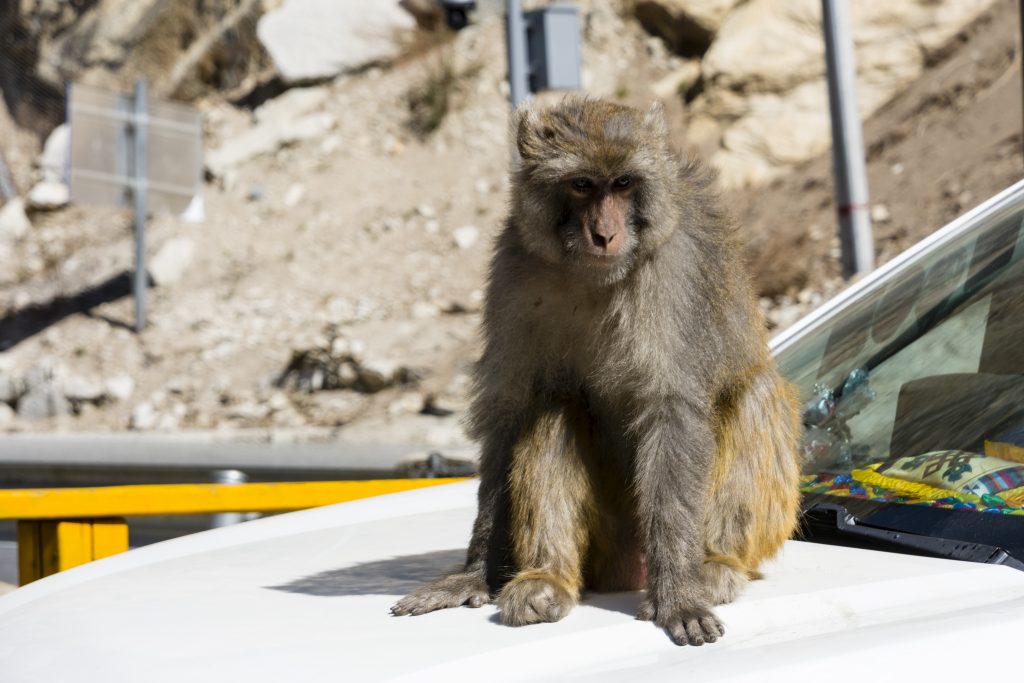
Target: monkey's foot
pixel 685 626
pixel 533 597
pixel 450 591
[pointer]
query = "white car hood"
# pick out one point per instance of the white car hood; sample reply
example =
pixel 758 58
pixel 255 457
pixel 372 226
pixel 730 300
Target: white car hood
pixel 305 597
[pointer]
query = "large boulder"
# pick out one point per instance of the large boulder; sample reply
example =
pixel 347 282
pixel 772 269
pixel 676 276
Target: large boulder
pixel 312 40
pixel 764 107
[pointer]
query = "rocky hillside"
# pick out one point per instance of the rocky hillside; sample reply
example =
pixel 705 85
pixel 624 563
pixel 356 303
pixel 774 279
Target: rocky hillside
pixel 356 178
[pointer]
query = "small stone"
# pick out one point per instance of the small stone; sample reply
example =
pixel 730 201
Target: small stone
pixel 294 195
pixel 171 260
pixel 49 196
pixel 144 417
pixel 78 388
pixel 348 375
pixel 7 415
pixel 377 374
pixel 255 193
pixel 14 224
pixel 880 213
pixel 426 211
pixel 11 389
pixel 466 236
pixel 482 186
pixel 897 168
pixel 424 309
pixel 53 162
pixel 330 145
pixel 408 403
pixel 278 401
pixel 43 401
pixel 432 227
pixel 119 387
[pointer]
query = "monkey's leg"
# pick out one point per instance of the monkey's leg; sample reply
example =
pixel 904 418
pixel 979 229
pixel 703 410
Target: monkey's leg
pixel 675 449
pixel 755 494
pixel 551 504
pixel 468 585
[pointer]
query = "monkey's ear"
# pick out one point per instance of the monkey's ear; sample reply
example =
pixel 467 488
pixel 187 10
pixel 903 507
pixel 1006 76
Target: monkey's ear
pixel 528 130
pixel 654 119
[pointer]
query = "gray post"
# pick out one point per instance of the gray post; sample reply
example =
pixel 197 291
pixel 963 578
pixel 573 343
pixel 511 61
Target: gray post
pixel 140 139
pixel 228 477
pixel 851 180
pixel 519 86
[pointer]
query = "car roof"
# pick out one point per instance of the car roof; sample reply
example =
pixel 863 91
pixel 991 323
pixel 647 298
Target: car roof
pixel 305 596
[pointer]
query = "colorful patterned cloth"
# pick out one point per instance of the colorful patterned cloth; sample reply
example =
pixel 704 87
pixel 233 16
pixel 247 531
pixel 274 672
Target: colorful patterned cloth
pixel 945 479
pixel 1008 446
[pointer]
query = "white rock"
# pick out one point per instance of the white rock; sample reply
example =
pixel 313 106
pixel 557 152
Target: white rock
pixel 294 195
pixel 425 309
pixel 466 236
pixel 677 82
pixel 7 415
pixel 54 160
pixel 880 213
pixel 11 388
pixel 432 227
pixel 49 195
pixel 266 138
pixel 120 387
pixel 292 104
pixel 144 417
pixel 315 39
pixel 278 401
pixel 42 401
pixel 14 224
pixel 79 388
pixel 376 374
pixel 330 145
pixel 426 211
pixel 171 260
pixel 764 75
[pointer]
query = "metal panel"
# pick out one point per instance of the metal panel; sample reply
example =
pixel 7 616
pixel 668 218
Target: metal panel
pixel 553 36
pixel 102 170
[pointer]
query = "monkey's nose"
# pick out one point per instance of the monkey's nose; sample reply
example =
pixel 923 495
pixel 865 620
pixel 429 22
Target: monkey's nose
pixel 603 241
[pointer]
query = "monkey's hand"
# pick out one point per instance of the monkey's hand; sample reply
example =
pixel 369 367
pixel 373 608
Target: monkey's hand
pixel 453 590
pixel 693 625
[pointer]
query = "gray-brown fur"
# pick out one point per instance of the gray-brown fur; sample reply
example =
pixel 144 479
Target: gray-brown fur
pixel 634 430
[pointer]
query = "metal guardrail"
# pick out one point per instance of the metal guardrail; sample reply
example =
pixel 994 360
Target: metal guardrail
pixel 62 528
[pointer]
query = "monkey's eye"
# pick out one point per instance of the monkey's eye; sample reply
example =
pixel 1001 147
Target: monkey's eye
pixel 582 184
pixel 622 182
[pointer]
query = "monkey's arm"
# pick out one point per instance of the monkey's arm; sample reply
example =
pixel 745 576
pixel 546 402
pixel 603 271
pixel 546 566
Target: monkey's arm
pixel 674 452
pixel 472 583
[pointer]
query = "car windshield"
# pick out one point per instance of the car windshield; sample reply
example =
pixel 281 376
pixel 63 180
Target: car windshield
pixel 913 391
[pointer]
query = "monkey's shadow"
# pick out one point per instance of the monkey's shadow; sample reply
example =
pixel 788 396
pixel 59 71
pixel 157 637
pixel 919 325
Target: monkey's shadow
pixel 397 576
pixel 403 574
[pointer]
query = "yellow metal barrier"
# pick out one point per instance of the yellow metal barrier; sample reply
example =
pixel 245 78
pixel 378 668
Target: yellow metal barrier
pixel 63 528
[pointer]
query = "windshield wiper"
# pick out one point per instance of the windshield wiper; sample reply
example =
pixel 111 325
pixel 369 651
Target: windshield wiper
pixel 834 524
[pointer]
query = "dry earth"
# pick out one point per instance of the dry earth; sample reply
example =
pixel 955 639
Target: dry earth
pixel 373 240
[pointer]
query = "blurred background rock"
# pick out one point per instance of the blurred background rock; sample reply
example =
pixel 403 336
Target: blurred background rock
pixel 356 156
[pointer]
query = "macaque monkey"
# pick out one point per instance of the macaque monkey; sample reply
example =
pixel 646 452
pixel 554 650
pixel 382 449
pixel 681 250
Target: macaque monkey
pixel 635 432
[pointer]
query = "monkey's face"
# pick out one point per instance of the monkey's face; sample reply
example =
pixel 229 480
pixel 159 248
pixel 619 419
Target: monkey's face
pixel 593 177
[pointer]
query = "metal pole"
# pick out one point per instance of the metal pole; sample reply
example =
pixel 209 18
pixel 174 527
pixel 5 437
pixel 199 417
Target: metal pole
pixel 851 180
pixel 228 477
pixel 140 138
pixel 519 87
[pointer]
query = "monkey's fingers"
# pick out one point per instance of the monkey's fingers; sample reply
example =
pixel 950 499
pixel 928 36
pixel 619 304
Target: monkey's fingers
pixel 451 591
pixel 693 627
